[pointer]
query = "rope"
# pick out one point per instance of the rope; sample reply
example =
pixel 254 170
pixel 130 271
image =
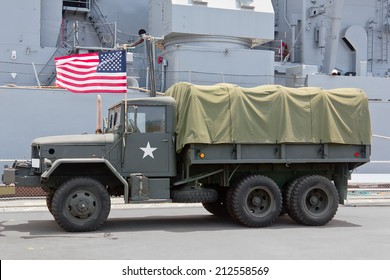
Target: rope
pixel 380 136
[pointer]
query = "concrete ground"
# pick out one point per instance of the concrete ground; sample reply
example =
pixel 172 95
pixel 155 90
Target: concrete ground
pixel 188 232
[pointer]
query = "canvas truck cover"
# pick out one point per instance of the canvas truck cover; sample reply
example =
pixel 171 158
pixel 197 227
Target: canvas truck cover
pixel 226 113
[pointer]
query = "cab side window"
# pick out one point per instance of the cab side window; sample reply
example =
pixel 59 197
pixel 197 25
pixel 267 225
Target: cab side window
pixel 148 118
pixel 113 121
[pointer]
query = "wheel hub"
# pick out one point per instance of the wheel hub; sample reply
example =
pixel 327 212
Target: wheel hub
pixel 259 202
pixel 314 200
pixel 256 200
pixel 82 205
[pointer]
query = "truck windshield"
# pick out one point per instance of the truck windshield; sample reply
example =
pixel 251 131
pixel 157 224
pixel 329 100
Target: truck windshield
pixel 146 119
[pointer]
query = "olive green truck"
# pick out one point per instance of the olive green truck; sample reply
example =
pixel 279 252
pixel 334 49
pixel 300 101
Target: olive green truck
pixel 248 153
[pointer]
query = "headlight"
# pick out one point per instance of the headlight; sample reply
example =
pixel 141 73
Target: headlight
pixel 47 163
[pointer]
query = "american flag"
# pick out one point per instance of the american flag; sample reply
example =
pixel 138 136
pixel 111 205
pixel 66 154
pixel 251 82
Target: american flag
pixel 99 72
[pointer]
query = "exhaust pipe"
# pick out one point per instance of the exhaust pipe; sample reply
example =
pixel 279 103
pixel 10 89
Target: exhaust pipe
pixel 98 115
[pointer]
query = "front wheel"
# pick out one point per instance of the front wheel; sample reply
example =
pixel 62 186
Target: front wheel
pixel 255 202
pixel 49 200
pixel 81 204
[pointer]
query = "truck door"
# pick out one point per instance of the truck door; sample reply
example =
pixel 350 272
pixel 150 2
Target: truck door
pixel 148 147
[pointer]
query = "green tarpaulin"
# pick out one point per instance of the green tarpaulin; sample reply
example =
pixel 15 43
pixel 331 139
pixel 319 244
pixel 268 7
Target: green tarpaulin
pixel 226 113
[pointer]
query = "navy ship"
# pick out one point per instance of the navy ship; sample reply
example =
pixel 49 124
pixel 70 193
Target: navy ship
pixel 296 43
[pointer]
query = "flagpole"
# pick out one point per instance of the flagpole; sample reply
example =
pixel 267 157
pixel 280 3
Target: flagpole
pixel 126 111
pixel 126 116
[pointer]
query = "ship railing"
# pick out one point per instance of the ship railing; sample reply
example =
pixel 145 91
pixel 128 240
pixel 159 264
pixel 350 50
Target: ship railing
pixel 25 76
pixel 166 78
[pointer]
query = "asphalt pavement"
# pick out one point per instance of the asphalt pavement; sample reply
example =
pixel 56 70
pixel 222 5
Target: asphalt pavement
pixel 188 232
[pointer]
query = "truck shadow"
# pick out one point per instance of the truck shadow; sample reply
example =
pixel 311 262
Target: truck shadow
pixel 176 224
pixel 194 223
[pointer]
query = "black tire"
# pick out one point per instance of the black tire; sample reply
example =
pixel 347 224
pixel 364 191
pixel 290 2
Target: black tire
pixel 49 200
pixel 287 193
pixel 282 212
pixel 218 208
pixel 194 195
pixel 255 202
pixel 229 198
pixel 314 201
pixel 81 204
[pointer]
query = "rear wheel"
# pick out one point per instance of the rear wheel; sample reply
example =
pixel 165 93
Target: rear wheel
pixel 81 204
pixel 255 202
pixel 287 195
pixel 314 201
pixel 288 191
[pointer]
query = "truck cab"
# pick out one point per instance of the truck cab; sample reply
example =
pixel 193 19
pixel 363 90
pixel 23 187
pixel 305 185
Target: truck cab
pixel 133 157
pixel 146 130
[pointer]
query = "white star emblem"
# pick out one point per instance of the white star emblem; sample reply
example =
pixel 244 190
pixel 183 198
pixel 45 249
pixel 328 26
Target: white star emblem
pixel 148 151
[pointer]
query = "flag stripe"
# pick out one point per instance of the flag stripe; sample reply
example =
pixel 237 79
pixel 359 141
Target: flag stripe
pixel 92 82
pixel 85 56
pixel 93 73
pixel 85 78
pixel 80 66
pixel 92 89
pixel 76 71
pixel 94 60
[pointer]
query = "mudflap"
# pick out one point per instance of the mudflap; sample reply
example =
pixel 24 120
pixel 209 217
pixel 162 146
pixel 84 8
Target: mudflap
pixel 341 182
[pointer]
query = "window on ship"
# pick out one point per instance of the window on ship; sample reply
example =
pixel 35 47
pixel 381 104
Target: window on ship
pixel 76 3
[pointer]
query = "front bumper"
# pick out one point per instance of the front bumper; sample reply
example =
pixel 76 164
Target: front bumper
pixel 20 174
pixel 8 176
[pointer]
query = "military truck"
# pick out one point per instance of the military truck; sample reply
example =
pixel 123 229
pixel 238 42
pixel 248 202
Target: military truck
pixel 249 153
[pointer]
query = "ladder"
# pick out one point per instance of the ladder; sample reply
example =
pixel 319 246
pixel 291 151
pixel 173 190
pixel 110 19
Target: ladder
pixel 105 32
pixel 47 74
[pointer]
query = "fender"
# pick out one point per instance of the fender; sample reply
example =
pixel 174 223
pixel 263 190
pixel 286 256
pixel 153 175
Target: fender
pixel 45 175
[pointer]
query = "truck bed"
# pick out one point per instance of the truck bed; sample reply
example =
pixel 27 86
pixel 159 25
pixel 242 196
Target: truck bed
pixel 277 153
pixel 272 114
